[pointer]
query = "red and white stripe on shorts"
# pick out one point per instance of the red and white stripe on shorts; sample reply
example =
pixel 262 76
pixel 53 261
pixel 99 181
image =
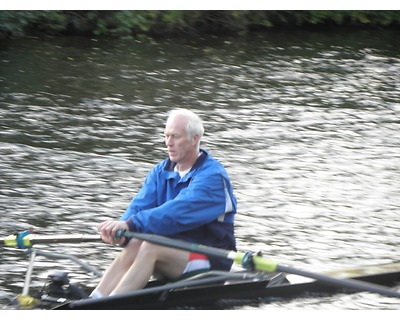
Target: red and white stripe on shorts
pixel 196 262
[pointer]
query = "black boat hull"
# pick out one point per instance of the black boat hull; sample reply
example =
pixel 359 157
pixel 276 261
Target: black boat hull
pixel 227 294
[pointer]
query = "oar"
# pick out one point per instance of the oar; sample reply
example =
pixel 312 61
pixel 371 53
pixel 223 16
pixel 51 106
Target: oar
pixel 247 260
pixel 26 239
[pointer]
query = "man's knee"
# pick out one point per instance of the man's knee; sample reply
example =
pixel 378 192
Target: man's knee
pixel 148 249
pixel 131 250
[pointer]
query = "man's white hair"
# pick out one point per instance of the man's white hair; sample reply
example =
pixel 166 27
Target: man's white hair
pixel 194 123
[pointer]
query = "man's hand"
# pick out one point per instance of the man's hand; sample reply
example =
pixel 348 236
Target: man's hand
pixel 109 228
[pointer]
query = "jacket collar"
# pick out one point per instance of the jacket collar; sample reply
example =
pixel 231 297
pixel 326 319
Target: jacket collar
pixel 170 165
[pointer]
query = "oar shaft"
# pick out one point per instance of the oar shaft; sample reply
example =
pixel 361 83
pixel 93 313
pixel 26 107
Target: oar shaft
pixel 180 244
pixel 27 240
pixel 263 264
pixel 343 283
pixel 78 238
pixel 184 245
pixel 240 258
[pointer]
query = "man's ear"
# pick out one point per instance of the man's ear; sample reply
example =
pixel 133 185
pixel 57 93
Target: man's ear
pixel 196 138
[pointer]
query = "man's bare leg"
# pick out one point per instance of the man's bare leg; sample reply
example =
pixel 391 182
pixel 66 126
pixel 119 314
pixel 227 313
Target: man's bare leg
pixel 118 268
pixel 152 259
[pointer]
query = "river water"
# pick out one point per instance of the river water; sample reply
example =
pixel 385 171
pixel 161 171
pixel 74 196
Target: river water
pixel 306 123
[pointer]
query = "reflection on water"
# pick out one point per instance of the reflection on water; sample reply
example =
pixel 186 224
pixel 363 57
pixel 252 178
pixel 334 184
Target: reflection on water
pixel 306 124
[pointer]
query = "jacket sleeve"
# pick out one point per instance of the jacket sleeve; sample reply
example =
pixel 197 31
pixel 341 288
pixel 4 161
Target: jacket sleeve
pixel 201 202
pixel 146 197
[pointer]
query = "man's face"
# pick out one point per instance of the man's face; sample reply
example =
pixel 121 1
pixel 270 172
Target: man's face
pixel 177 141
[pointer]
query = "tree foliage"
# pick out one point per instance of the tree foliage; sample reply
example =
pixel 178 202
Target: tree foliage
pixel 151 23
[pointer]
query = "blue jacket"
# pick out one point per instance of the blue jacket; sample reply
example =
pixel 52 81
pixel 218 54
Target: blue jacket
pixel 199 207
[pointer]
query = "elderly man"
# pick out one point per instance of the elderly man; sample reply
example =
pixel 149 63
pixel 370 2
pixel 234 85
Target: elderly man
pixel 187 196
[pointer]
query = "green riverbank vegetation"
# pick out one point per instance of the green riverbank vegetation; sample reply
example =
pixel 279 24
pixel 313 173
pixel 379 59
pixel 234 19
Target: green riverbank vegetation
pixel 143 23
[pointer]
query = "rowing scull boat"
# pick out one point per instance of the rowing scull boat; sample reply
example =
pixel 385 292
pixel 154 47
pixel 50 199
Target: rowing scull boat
pixel 265 279
pixel 225 290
